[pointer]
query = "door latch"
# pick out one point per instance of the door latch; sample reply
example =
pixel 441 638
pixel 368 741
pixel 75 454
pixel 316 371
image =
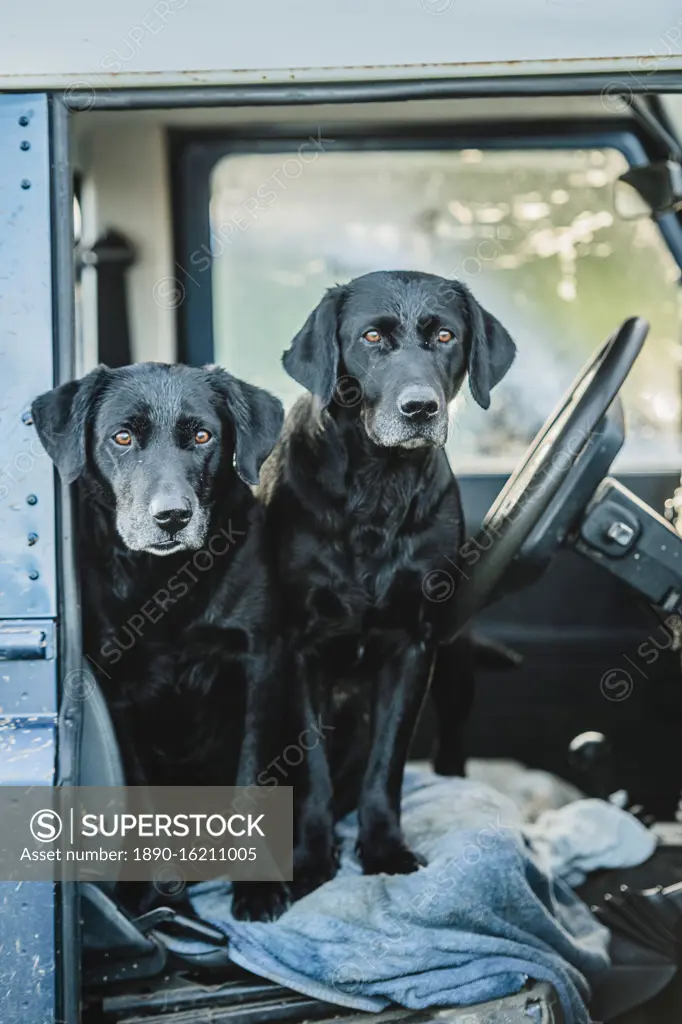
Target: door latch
pixel 26 641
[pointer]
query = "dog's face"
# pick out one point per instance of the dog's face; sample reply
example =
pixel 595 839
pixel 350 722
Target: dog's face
pixel 410 339
pixel 160 440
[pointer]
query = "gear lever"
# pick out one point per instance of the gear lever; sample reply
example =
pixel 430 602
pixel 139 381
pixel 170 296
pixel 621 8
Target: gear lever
pixel 590 754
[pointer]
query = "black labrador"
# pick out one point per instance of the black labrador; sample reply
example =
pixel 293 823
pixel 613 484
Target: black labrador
pixel 362 509
pixel 177 599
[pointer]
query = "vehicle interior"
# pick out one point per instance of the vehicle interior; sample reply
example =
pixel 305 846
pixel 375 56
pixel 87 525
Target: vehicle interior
pixel 575 469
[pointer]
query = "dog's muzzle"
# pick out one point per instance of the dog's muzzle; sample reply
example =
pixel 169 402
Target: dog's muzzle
pixel 416 418
pixel 162 526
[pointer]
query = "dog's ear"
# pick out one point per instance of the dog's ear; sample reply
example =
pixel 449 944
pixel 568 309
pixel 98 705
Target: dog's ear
pixel 491 350
pixel 313 358
pixel 256 417
pixel 61 418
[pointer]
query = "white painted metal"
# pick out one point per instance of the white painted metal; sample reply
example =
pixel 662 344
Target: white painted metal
pixel 184 42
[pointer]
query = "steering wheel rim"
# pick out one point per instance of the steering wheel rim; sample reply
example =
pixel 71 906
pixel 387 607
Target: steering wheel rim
pixel 567 432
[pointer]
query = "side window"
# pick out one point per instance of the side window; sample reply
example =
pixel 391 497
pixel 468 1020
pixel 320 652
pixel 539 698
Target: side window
pixel 533 233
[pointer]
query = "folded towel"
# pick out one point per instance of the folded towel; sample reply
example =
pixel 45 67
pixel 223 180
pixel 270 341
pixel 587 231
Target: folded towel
pixel 474 925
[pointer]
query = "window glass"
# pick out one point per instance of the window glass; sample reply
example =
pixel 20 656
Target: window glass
pixel 533 233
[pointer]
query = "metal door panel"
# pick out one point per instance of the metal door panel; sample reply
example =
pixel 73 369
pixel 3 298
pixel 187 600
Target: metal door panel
pixel 28 599
pixel 27 554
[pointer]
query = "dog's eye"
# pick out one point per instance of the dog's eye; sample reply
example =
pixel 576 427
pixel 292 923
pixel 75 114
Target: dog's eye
pixel 202 437
pixel 445 335
pixel 372 336
pixel 124 438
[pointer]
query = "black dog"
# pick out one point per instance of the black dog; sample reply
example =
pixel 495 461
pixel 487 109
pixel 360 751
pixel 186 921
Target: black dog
pixel 362 507
pixel 178 617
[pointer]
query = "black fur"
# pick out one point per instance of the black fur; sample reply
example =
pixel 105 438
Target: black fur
pixel 362 508
pixel 184 646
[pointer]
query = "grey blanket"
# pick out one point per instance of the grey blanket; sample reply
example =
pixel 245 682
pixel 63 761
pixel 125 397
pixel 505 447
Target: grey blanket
pixel 475 924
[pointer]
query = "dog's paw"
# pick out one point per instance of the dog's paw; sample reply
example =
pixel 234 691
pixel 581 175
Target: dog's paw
pixel 259 901
pixel 397 860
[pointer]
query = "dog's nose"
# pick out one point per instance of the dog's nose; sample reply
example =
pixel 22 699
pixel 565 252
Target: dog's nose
pixel 418 402
pixel 171 514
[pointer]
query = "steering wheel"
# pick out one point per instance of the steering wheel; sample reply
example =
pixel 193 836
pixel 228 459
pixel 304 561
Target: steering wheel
pixel 554 480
